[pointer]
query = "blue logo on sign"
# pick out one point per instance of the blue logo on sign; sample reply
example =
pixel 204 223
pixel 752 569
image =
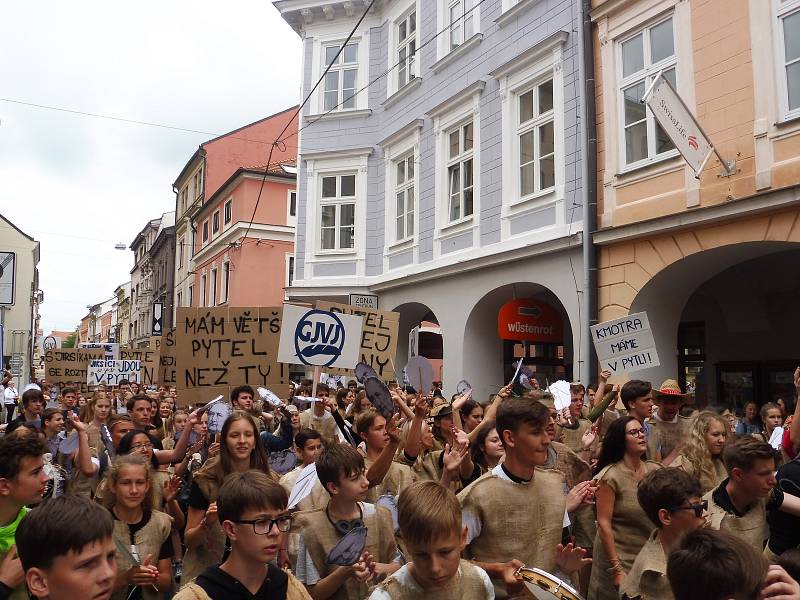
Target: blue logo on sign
pixel 319 338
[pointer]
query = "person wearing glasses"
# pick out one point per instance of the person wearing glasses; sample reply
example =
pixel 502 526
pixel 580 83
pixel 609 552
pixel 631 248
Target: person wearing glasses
pixel 252 511
pixel 671 498
pixel 622 524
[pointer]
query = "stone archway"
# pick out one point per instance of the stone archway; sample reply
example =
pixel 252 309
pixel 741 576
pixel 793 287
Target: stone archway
pixel 415 314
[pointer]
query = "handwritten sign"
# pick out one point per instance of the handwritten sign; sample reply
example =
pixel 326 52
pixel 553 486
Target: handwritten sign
pixel 625 345
pixel 111 372
pixel 111 350
pixel 149 360
pixel 319 338
pixel 217 349
pixel 378 337
pixel 167 369
pixel 68 366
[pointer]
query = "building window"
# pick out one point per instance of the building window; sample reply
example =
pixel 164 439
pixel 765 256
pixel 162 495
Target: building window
pixel 292 203
pixel 339 91
pixel 226 278
pixel 536 139
pixel 215 222
pixel 406 31
pixel 205 231
pixel 338 212
pixel 289 270
pixel 404 197
pixel 459 172
pixel 228 210
pixel 180 299
pixel 184 195
pixel 203 289
pixel 198 183
pixel 789 61
pixel 460 20
pixel 213 287
pixel 180 253
pixel 191 295
pixel 641 57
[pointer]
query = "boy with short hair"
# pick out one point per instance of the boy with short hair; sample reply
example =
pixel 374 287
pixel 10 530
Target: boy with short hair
pixel 671 498
pixel 637 397
pixel 252 511
pixel 318 418
pixel 67 550
pixel 372 429
pixel 341 471
pixel 430 524
pixel 32 408
pixel 308 444
pixel 23 482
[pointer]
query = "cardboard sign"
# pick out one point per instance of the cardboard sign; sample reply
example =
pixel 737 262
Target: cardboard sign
pixel 217 349
pixel 111 372
pixel 378 337
pixel 167 370
pixel 69 366
pixel 625 345
pixel 111 350
pixel 149 360
pixel 319 338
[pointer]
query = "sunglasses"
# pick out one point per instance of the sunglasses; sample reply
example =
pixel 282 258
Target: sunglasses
pixel 698 509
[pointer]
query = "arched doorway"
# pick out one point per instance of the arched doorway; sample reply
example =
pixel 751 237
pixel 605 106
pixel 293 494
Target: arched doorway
pixel 419 334
pixel 487 359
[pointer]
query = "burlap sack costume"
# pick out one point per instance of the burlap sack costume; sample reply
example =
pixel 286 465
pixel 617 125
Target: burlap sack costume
pixel 209 479
pixel 398 478
pixel 575 470
pixel 192 591
pixel 752 527
pixel 629 523
pixel 320 536
pixel 80 484
pixel 664 437
pixel 707 483
pixel 467 585
pixel 518 521
pixel 157 480
pixel 148 540
pixel 326 425
pixel 647 578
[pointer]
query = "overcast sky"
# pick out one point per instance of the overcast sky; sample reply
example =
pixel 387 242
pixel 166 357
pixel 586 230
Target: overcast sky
pixel 79 184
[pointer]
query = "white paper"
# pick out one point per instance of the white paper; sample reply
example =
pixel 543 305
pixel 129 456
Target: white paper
pixel 302 487
pixel 561 396
pixel 776 438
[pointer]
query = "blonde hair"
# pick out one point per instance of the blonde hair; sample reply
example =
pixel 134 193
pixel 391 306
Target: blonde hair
pixel 136 460
pixel 87 412
pixel 427 512
pixel 695 450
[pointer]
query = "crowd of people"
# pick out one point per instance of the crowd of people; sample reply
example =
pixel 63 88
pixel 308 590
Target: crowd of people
pixel 627 492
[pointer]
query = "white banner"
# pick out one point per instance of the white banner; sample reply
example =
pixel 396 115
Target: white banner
pixel 625 345
pixel 111 372
pixel 111 350
pixel 318 338
pixel 678 123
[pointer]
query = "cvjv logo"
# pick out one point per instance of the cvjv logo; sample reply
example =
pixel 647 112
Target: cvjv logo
pixel 319 338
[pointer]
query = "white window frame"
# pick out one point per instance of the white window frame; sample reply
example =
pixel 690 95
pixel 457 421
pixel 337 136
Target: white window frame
pixel 227 212
pixel 361 38
pixel 289 272
pixel 465 155
pixel 291 219
pixel 190 298
pixel 181 250
pixel 340 67
pixel 206 229
pixel 399 13
pixel 444 44
pixel 180 298
pixel 783 9
pixel 338 202
pixel 409 184
pixel 213 286
pixel 516 78
pixel 204 289
pixel 646 74
pixel 216 225
pixel 226 281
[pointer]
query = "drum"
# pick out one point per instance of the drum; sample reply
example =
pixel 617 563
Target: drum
pixel 545 586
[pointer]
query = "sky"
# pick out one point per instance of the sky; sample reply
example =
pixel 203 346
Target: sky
pixel 79 184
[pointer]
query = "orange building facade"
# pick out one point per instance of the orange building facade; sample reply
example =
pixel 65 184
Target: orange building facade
pixel 712 260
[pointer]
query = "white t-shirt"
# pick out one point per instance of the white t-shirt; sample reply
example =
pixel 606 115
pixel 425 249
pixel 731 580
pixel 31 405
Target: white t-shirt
pixel 404 577
pixel 10 395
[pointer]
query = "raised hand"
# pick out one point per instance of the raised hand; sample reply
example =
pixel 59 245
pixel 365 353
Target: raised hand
pixel 171 488
pixel 571 558
pixel 364 569
pixel 588 437
pixel 581 495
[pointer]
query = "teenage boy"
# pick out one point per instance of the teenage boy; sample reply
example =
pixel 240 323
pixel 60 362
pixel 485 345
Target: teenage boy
pixel 371 428
pixel 68 400
pixel 308 445
pixel 570 431
pixel 671 498
pixel 318 418
pixel 341 470
pixel 713 565
pixel 514 514
pixel 667 427
pixel 23 482
pixel 140 408
pixel 637 397
pixel 32 407
pixel 739 504
pixel 430 524
pixel 252 511
pixel 242 398
pixel 67 550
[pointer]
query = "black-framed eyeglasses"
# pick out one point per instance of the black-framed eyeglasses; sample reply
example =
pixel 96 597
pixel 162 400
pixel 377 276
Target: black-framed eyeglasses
pixel 698 509
pixel 264 526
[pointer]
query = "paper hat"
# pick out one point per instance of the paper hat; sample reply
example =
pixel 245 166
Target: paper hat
pixel 670 387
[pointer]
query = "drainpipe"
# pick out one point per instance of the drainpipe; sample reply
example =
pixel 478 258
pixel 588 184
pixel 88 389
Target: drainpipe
pixel 589 179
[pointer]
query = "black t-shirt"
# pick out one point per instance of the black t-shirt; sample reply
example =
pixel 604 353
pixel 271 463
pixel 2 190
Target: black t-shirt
pixel 135 592
pixel 723 499
pixel 221 586
pixel 784 529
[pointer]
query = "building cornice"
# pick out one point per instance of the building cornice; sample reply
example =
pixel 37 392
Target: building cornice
pixel 340 153
pixel 457 98
pixel 531 55
pixel 230 236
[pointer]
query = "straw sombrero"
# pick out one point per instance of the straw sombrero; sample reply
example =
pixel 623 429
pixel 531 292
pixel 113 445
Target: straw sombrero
pixel 670 387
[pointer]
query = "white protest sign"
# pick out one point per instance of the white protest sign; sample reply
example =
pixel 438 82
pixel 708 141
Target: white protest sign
pixel 111 350
pixel 111 372
pixel 625 345
pixel 561 396
pixel 678 123
pixel 303 485
pixel 319 338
